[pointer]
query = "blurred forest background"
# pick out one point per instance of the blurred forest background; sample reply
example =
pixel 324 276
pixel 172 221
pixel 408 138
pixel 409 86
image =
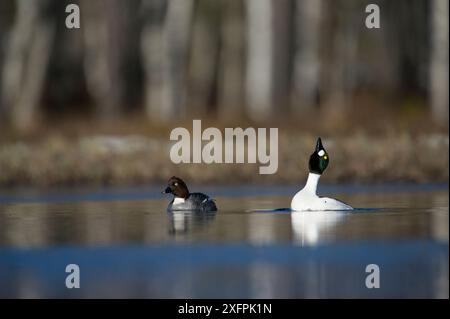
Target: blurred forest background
pixel 96 104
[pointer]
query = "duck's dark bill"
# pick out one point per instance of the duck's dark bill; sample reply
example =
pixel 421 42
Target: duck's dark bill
pixel 167 191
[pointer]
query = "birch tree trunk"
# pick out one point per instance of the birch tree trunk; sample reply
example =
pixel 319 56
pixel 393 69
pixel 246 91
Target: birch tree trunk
pixel 439 61
pixel 154 12
pixel 232 61
pixel 259 77
pixel 26 62
pixel 307 55
pixel 165 63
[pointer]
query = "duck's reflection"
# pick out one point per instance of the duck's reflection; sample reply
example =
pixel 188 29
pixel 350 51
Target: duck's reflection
pixel 312 228
pixel 184 222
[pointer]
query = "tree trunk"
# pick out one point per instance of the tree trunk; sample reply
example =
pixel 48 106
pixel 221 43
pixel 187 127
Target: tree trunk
pixel 232 61
pixel 307 55
pixel 204 59
pixel 259 77
pixel 105 25
pixel 164 50
pixel 152 52
pixel 5 27
pixel 26 62
pixel 282 57
pixel 343 66
pixel 439 61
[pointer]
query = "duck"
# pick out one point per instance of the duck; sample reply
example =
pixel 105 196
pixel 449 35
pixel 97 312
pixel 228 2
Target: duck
pixel 307 199
pixel 183 200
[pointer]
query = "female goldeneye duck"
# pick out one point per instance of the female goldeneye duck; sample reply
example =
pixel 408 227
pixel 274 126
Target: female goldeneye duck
pixel 307 199
pixel 183 200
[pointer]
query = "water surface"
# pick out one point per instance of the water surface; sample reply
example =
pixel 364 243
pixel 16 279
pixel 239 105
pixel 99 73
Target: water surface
pixel 127 245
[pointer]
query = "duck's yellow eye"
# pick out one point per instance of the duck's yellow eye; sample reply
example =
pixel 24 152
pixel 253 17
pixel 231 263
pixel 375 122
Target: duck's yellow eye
pixel 325 157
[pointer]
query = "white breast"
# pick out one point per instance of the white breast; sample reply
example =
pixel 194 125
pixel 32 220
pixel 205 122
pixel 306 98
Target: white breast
pixel 307 198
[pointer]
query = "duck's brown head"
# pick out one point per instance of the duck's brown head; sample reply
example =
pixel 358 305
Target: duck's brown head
pixel 177 187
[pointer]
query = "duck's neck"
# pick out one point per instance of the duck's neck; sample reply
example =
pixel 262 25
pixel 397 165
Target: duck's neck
pixel 311 183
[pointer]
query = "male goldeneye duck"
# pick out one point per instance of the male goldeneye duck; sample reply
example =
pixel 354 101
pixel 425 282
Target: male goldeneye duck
pixel 307 199
pixel 183 200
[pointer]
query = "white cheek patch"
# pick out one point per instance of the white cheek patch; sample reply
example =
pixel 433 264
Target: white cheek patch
pixel 321 152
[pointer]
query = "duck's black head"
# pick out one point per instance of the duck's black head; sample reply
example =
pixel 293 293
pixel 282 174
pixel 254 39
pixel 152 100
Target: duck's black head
pixel 318 161
pixel 177 187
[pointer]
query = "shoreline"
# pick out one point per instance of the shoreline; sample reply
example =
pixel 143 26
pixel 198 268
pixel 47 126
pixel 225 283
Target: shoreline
pixel 137 159
pixel 153 192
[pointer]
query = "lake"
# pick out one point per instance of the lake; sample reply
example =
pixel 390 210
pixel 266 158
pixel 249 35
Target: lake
pixel 127 245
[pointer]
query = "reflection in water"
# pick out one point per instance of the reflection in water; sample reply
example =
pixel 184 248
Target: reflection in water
pixel 87 223
pixel 29 229
pixel 262 228
pixel 310 228
pixel 183 222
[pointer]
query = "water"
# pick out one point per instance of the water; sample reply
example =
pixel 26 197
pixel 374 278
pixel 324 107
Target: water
pixel 126 245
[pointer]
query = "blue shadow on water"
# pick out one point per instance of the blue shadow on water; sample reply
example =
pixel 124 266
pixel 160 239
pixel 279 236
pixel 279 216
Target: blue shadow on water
pixel 408 269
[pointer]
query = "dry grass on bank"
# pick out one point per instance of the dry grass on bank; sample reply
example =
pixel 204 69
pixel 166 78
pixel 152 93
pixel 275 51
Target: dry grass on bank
pixel 138 159
pixel 366 144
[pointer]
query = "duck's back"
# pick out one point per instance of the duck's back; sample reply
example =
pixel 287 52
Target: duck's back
pixel 334 204
pixel 195 201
